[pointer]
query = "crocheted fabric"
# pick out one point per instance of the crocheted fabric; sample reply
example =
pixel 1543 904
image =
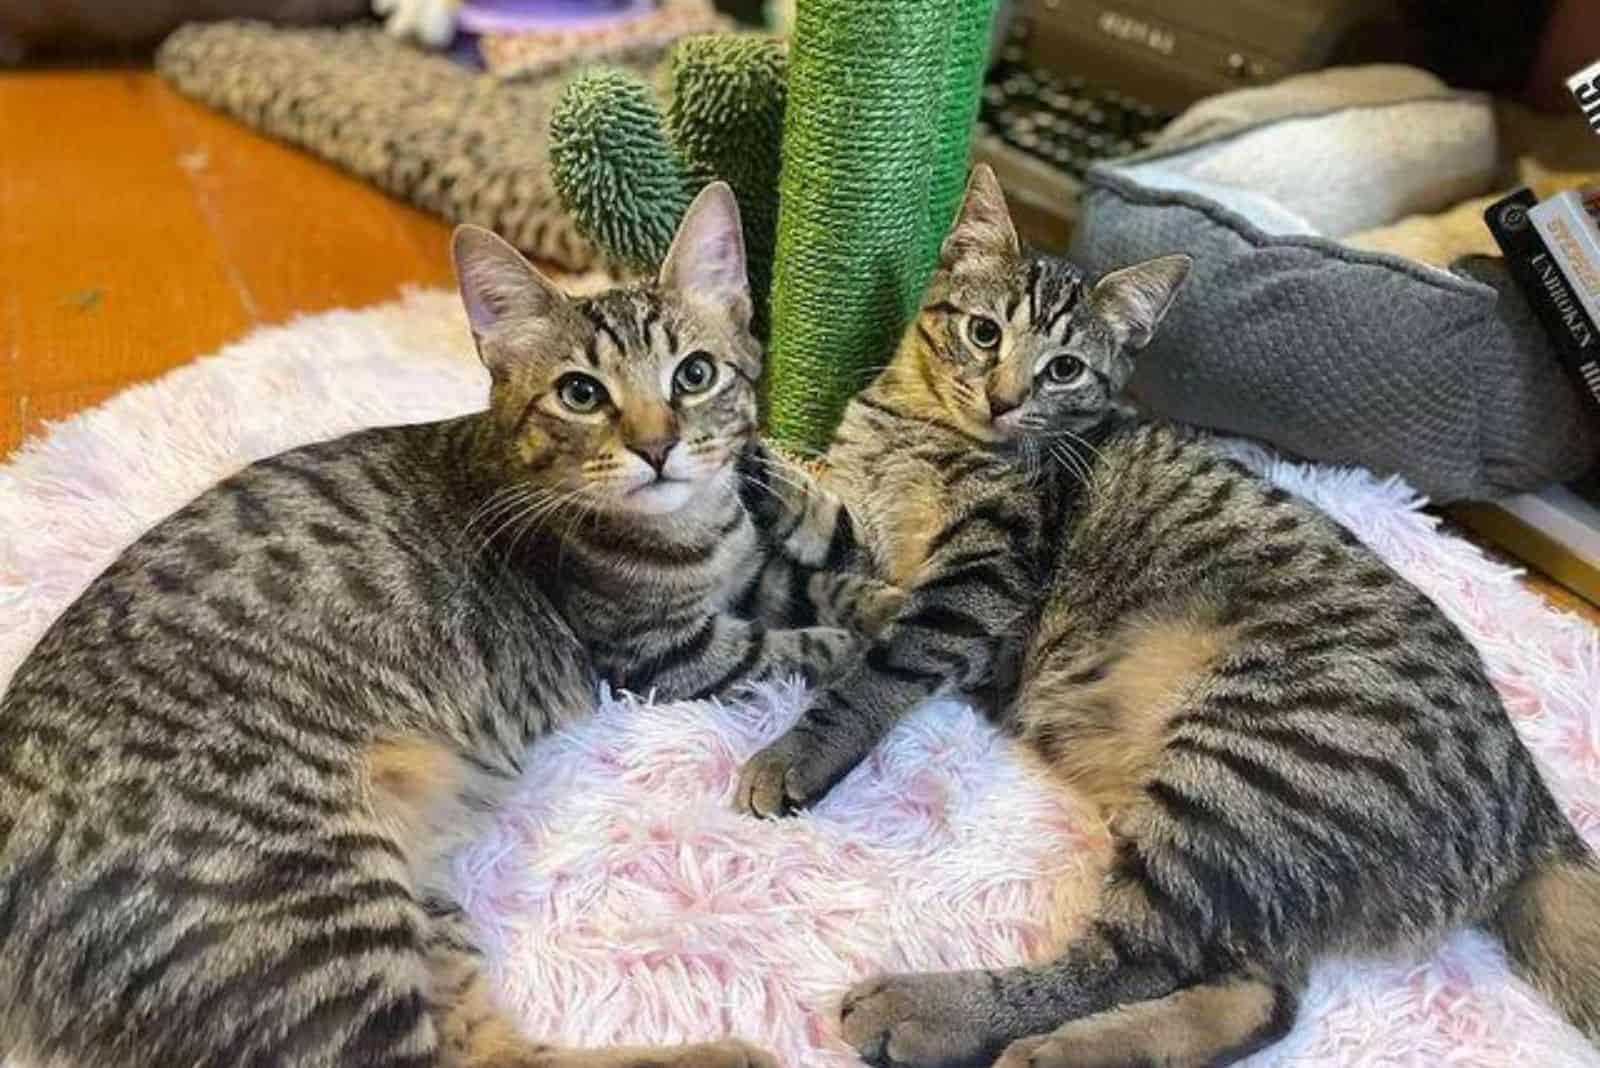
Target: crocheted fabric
pixel 466 146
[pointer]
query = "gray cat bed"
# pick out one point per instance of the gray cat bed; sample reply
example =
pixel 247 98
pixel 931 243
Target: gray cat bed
pixel 1288 332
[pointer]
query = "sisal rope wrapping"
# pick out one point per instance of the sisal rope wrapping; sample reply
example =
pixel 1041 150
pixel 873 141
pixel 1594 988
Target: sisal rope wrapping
pixel 881 99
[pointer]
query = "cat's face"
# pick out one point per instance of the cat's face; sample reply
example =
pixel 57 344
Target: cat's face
pixel 632 401
pixel 1011 345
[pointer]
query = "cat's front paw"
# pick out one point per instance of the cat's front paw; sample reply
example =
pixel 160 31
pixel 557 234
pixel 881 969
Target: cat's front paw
pixel 1050 1051
pixel 857 602
pixel 770 784
pixel 788 775
pixel 826 652
pixel 934 1020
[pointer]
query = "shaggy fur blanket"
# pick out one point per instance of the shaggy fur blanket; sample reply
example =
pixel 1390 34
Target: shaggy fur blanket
pixel 619 895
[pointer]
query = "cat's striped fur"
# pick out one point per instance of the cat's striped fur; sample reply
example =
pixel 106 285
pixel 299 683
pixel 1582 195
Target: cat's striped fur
pixel 230 771
pixel 1296 752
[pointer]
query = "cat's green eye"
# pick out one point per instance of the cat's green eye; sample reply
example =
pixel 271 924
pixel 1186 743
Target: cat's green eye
pixel 696 374
pixel 1065 370
pixel 581 393
pixel 983 331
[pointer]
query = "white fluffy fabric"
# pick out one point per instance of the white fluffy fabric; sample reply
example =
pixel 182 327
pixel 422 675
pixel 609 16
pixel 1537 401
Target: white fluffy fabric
pixel 620 897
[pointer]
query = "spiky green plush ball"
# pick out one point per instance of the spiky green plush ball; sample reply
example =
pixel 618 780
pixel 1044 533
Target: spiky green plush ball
pixel 614 168
pixel 726 119
pixel 625 172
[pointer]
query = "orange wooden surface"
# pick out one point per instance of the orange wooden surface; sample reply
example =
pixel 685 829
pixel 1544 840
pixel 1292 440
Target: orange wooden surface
pixel 139 230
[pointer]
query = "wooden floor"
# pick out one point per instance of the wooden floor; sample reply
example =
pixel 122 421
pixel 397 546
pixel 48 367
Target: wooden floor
pixel 139 230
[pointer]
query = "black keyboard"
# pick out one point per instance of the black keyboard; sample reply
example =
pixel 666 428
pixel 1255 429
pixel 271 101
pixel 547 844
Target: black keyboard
pixel 1060 119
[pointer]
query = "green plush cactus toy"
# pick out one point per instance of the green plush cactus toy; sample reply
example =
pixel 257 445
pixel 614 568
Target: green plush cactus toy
pixel 626 171
pixel 848 157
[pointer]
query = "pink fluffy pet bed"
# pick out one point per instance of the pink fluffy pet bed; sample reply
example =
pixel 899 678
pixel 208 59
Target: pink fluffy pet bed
pixel 621 898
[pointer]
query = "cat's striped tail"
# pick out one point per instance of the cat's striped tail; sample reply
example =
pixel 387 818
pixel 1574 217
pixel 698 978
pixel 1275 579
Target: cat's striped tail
pixel 1551 928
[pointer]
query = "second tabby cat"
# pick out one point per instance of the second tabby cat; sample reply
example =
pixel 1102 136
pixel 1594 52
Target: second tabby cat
pixel 1297 753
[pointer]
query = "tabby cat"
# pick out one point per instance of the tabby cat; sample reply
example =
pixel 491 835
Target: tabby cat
pixel 1296 752
pixel 229 773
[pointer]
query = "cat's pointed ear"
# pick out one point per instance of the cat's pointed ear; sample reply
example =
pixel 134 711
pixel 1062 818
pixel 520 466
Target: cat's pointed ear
pixel 706 259
pixel 1133 301
pixel 496 282
pixel 983 225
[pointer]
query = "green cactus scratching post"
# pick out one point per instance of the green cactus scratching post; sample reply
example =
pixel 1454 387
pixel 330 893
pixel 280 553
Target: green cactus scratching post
pixel 882 95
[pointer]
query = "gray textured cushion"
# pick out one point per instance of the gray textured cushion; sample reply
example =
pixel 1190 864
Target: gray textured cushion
pixel 1334 354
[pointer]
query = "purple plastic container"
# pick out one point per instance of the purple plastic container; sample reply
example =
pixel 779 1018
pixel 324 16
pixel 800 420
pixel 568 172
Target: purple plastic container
pixel 531 16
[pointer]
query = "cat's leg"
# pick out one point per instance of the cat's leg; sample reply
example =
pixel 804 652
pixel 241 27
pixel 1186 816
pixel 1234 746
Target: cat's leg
pixel 856 602
pixel 475 1032
pixel 722 651
pixel 1209 1024
pixel 806 522
pixel 158 919
pixel 790 594
pixel 817 570
pixel 944 638
pixel 1133 951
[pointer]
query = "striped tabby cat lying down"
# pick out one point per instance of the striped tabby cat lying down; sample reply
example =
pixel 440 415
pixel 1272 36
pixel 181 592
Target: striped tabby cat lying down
pixel 230 772
pixel 1297 753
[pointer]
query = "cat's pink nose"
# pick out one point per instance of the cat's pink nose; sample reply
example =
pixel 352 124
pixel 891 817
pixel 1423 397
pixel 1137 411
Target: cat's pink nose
pixel 654 453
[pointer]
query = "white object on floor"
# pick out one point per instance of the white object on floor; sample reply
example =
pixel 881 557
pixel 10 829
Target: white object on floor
pixel 619 896
pixel 1562 516
pixel 430 22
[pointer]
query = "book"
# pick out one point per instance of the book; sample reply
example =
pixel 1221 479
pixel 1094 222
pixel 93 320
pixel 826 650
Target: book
pixel 1590 195
pixel 1552 251
pixel 1555 303
pixel 1555 530
pixel 1573 240
pixel 1585 89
